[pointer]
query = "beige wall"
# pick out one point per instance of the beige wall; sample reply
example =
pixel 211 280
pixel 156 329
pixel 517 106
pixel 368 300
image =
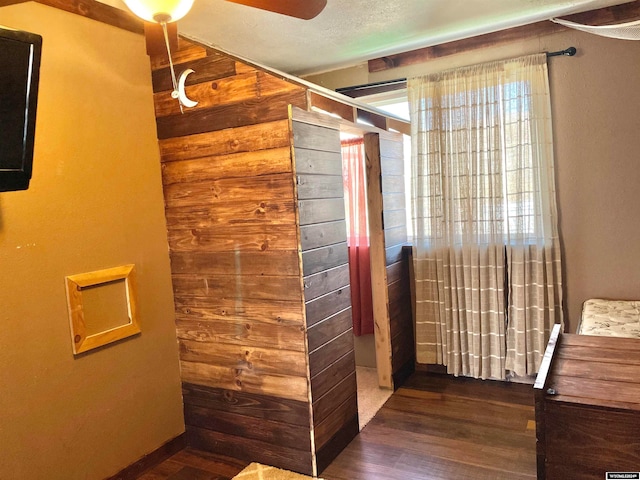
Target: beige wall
pixel 595 98
pixel 95 201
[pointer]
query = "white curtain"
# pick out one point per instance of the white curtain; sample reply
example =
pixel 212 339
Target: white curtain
pixel 486 249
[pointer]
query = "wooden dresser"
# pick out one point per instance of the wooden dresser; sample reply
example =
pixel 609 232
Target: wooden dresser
pixel 588 407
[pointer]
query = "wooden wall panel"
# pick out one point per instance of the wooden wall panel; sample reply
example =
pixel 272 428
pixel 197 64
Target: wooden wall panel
pixel 252 238
pixel 232 227
pixel 324 258
pixel 248 405
pixel 279 386
pixel 340 416
pixel 257 237
pixel 318 162
pixel 326 380
pixel 242 287
pixel 210 192
pixel 256 360
pixel 325 405
pixel 393 254
pixel 253 333
pixel 242 87
pixel 319 186
pixel 311 136
pixel 212 66
pixel 335 348
pixel 327 305
pixel 397 261
pixel 284 434
pixel 326 281
pixel 210 308
pixel 257 110
pixel 315 236
pixel 255 262
pixel 330 328
pixel 237 446
pixel 254 140
pixel 318 165
pixel 261 162
pixel 241 212
pixel 321 210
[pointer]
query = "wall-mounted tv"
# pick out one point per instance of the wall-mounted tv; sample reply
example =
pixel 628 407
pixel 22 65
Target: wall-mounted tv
pixel 20 54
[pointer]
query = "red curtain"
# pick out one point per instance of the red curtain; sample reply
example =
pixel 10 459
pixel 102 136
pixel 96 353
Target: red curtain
pixel 353 175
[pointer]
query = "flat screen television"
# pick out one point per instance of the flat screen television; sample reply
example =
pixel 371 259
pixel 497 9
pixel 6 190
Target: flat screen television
pixel 20 54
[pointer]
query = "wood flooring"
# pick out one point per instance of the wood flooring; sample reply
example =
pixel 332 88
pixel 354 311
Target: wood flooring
pixel 442 427
pixel 434 427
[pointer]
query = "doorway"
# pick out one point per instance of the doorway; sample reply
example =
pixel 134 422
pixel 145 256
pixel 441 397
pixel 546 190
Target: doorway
pixel 371 396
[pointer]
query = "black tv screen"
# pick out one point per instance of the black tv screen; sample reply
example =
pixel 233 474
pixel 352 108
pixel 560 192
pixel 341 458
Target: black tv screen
pixel 20 54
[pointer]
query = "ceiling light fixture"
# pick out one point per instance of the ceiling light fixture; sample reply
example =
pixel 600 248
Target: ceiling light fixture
pixel 163 12
pixel 160 11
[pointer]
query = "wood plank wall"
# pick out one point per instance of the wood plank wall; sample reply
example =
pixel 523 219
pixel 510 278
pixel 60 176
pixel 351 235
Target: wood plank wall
pixel 390 261
pixel 260 265
pixel 233 238
pixel 323 239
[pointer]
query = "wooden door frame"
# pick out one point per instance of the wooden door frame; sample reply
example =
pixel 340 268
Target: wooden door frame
pixel 382 328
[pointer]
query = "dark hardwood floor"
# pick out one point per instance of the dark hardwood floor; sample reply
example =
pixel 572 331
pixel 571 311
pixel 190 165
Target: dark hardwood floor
pixel 190 464
pixel 441 427
pixel 434 427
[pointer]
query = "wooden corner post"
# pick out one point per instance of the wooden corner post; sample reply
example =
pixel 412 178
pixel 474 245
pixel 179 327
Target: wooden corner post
pixel 382 330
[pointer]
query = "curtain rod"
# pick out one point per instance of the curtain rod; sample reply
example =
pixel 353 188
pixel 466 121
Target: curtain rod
pixel 400 83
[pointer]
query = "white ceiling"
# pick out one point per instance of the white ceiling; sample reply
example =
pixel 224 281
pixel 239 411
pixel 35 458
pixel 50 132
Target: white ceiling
pixel 349 32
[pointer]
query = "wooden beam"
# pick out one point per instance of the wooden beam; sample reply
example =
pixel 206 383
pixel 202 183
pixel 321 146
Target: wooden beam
pixel 372 118
pixel 602 16
pixel 331 105
pixel 93 10
pixel 398 126
pixel 378 268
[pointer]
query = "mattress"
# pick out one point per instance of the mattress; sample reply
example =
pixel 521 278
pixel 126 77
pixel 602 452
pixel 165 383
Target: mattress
pixel 611 318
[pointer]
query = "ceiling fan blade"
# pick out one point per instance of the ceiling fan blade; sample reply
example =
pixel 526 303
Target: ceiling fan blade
pixel 155 38
pixel 303 9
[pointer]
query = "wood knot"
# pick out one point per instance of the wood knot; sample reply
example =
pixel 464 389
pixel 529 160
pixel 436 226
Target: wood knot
pixel 214 85
pixel 77 338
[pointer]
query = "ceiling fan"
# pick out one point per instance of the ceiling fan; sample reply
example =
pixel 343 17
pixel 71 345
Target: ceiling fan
pixel 302 9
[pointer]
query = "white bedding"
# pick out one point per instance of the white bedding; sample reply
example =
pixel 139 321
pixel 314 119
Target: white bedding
pixel 612 318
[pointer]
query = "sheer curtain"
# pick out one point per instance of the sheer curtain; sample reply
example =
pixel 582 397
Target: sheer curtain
pixel 353 175
pixel 486 249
